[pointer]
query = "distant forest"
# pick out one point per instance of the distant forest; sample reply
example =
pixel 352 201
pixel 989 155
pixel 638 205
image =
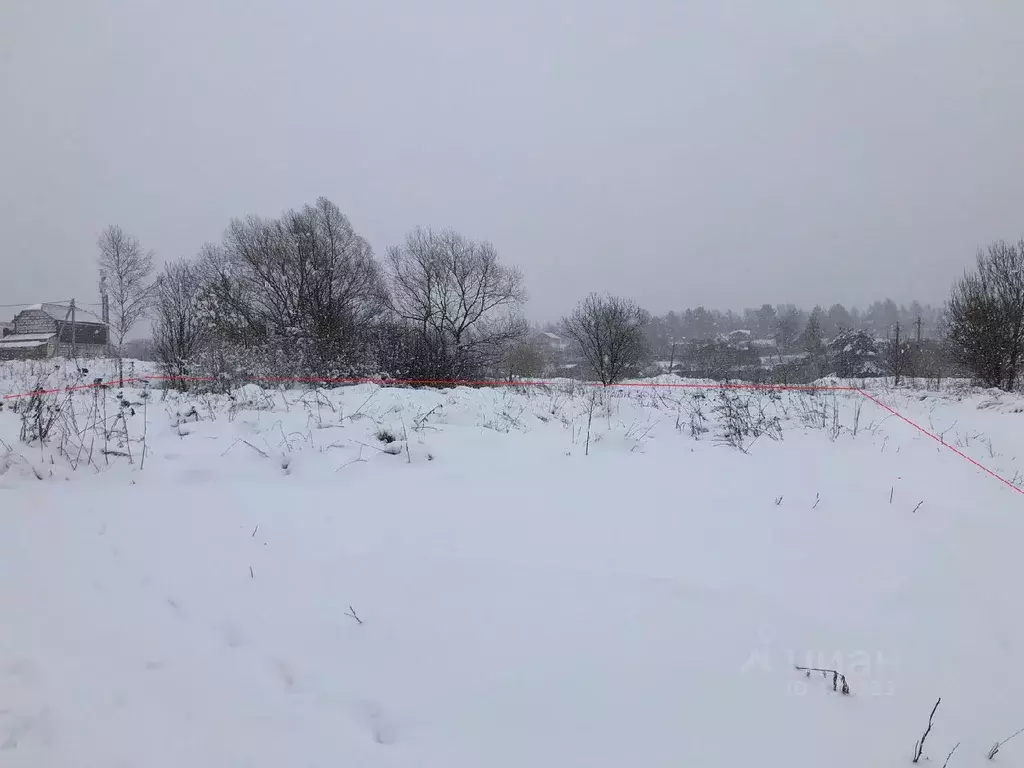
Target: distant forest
pixel 788 321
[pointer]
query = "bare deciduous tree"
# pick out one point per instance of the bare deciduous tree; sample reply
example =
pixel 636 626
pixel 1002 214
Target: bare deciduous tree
pixel 306 280
pixel 458 302
pixel 985 316
pixel 126 269
pixel 608 332
pixel 896 354
pixel 178 328
pixel 525 359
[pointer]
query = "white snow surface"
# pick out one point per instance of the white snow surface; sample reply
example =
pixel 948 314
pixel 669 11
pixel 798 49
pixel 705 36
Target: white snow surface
pixel 519 603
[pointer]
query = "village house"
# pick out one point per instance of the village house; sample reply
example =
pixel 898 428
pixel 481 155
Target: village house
pixel 554 342
pixel 47 330
pixel 558 351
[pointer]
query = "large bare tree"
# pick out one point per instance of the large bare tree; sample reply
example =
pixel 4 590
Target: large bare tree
pixel 125 268
pixel 305 280
pixel 608 332
pixel 985 316
pixel 460 304
pixel 178 327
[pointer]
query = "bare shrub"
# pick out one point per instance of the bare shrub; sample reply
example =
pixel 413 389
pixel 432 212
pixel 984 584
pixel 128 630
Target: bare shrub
pixel 743 418
pixel 507 415
pixel 609 334
pixel 39 413
pixel 697 418
pixel 456 306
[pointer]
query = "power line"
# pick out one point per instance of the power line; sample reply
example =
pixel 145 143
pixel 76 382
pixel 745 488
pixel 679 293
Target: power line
pixel 33 303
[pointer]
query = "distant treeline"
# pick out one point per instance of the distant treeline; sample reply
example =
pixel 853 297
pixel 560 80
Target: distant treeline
pixel 788 322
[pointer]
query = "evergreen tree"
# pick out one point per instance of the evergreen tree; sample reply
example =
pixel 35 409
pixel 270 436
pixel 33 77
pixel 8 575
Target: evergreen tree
pixel 811 339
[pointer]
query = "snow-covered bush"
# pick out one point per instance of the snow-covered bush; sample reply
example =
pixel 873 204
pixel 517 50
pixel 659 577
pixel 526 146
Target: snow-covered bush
pixel 853 354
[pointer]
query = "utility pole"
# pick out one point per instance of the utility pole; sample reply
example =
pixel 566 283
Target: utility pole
pixel 897 355
pixel 74 330
pixel 105 309
pixel 919 329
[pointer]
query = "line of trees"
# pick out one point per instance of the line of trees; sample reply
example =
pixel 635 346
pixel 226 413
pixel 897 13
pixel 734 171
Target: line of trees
pixel 303 295
pixel 978 333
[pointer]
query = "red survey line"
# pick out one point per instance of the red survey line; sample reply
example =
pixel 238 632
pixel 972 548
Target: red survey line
pixel 531 383
pixel 72 388
pixel 940 441
pixel 438 383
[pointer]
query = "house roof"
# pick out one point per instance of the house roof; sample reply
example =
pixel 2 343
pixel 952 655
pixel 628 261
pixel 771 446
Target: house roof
pixel 25 340
pixel 60 311
pixel 27 337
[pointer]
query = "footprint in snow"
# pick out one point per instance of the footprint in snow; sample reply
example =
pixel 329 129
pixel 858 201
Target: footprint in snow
pixel 16 732
pixel 285 673
pixel 175 606
pixel 233 637
pixel 40 726
pixel 383 728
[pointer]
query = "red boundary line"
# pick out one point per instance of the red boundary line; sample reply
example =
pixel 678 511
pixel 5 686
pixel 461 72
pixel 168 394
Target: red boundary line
pixel 532 383
pixel 940 441
pixel 430 383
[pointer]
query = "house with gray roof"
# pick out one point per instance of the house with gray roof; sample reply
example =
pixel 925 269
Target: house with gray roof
pixel 41 331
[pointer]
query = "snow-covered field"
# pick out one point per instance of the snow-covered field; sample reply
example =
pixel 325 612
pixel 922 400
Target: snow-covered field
pixel 461 578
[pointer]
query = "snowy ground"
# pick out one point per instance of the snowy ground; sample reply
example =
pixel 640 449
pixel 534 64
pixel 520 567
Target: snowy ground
pixel 277 584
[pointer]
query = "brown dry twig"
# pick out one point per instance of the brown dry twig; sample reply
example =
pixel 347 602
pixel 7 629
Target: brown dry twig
pixel 919 746
pixel 837 677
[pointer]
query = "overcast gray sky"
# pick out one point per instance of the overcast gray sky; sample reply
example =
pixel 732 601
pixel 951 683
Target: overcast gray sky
pixel 679 152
